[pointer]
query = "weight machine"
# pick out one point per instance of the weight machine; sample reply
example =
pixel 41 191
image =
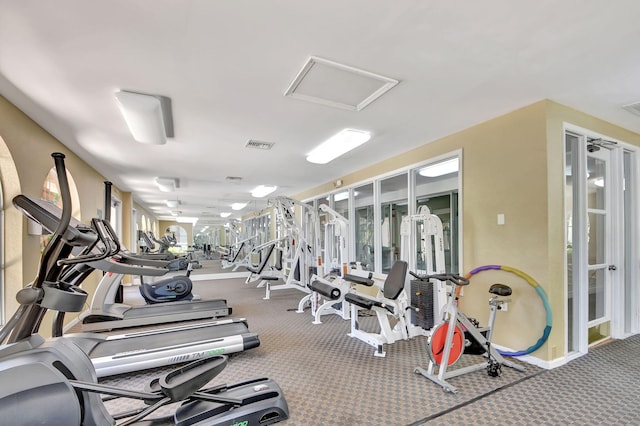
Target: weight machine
pixel 422 246
pixel 328 287
pixel 298 235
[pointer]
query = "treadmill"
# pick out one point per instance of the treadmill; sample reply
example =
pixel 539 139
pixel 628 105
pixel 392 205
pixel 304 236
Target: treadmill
pixel 105 314
pixel 123 353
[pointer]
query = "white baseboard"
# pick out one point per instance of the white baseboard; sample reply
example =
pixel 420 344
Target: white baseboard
pixel 529 359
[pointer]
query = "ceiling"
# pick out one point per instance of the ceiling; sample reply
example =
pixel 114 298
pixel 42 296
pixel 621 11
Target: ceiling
pixel 227 64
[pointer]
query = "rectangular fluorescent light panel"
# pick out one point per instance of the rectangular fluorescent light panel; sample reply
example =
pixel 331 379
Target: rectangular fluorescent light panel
pixel 337 145
pixel 166 184
pixel 225 214
pixel 147 116
pixel 262 191
pixel 440 169
pixel 238 206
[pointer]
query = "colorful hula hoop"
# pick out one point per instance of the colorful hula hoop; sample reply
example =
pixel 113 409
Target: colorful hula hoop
pixel 541 294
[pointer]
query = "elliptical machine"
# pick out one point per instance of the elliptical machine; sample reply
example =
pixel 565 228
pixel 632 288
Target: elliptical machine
pixel 170 289
pixel 53 382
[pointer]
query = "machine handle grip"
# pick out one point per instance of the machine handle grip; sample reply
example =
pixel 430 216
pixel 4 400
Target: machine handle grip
pixel 453 278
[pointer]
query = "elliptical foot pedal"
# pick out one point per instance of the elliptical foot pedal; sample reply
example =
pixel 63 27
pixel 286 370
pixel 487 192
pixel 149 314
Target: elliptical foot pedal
pixel 260 402
pixel 183 382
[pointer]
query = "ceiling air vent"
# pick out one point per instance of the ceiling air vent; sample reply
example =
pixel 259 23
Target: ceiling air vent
pixel 233 178
pixel 338 85
pixel 633 108
pixel 259 144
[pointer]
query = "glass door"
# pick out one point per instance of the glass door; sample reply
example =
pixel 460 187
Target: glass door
pixel 598 247
pixel 601 243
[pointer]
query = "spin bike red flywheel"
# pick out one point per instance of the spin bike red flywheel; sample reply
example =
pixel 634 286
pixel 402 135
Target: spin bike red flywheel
pixel 438 340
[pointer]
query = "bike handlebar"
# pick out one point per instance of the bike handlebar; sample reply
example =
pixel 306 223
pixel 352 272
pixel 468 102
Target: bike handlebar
pixel 453 278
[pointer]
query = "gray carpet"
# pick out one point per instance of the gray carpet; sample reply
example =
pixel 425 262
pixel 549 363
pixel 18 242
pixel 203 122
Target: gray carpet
pixel 331 379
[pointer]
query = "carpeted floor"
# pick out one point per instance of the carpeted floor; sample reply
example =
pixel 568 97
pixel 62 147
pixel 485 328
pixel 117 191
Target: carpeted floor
pixel 331 379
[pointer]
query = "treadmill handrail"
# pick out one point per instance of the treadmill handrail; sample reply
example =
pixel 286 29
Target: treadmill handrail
pixel 110 264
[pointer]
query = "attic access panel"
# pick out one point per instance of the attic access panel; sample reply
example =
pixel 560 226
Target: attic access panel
pixel 337 85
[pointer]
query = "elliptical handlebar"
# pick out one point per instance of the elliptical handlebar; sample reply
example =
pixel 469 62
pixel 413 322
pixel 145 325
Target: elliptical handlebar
pixel 106 236
pixel 26 319
pixel 456 279
pixel 65 219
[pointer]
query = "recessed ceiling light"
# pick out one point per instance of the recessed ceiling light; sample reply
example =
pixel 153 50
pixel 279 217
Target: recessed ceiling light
pixel 440 169
pixel 337 145
pixel 238 206
pixel 225 214
pixel 263 191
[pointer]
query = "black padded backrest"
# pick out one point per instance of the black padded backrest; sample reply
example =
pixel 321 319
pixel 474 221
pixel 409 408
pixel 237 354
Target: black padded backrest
pixel 265 259
pixel 278 260
pixel 394 284
pixel 235 258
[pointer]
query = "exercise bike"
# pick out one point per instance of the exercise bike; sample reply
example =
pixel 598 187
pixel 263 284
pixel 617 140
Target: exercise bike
pixel 170 289
pixel 448 339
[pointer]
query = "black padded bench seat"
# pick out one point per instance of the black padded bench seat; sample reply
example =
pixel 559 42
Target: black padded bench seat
pixel 269 278
pixel 361 301
pixel 359 280
pixel 326 290
pixel 393 286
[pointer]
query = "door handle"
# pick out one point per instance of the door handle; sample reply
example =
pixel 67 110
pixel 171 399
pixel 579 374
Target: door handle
pixel 612 267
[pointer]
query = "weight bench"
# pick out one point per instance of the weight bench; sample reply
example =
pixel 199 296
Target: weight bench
pixel 326 294
pixel 386 303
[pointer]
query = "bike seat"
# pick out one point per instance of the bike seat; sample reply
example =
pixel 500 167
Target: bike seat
pixel 500 290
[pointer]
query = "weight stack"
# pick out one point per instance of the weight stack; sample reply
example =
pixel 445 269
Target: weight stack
pixel 422 298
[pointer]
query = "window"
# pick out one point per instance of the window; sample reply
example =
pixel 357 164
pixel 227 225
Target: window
pixel 51 193
pixel 375 211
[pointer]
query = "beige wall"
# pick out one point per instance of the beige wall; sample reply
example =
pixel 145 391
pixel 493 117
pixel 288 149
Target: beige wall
pixel 25 160
pixel 514 165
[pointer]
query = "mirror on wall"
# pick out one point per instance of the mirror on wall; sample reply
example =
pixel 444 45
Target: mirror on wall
pixel 394 205
pixel 363 223
pixel 436 186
